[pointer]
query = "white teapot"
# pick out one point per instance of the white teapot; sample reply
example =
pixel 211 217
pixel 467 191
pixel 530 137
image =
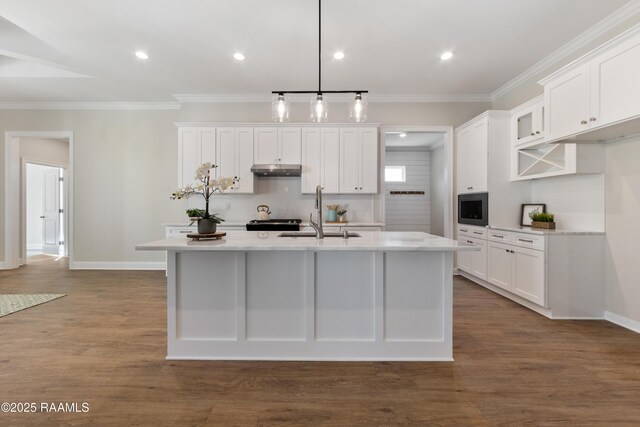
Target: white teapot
pixel 263 212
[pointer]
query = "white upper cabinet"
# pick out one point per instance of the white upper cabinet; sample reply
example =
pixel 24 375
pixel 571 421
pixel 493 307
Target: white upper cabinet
pixel 472 154
pixel 196 145
pixel 568 103
pixel 231 149
pixel 235 156
pixel 615 80
pixel 532 157
pixel 601 89
pixel 320 159
pixel 277 145
pixel 358 160
pixel 527 122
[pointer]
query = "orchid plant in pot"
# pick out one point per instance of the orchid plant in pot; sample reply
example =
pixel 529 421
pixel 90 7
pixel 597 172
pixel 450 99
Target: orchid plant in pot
pixel 205 187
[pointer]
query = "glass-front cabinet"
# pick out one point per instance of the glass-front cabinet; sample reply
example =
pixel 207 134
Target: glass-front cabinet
pixel 527 122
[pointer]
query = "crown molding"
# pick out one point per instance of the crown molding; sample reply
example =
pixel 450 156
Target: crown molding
pixel 81 105
pixel 221 98
pixel 622 14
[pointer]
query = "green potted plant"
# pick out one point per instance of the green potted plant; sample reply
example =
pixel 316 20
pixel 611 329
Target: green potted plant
pixel 543 220
pixel 195 214
pixel 205 187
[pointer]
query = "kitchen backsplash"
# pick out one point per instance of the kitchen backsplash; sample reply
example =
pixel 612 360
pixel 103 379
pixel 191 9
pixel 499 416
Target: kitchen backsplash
pixel 283 196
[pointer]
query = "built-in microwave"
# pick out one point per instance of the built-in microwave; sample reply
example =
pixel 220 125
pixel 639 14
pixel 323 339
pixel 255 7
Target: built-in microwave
pixel 473 209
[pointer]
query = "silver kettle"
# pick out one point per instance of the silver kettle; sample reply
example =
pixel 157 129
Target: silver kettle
pixel 263 213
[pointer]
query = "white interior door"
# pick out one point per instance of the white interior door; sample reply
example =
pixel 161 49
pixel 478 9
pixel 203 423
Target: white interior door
pixel 51 214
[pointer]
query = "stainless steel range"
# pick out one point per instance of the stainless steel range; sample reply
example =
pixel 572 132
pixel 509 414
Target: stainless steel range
pixel 274 225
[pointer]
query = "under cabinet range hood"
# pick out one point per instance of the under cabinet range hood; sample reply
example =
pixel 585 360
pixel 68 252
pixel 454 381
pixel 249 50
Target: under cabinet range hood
pixel 276 170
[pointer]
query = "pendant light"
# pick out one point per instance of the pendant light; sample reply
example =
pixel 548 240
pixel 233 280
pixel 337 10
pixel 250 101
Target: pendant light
pixel 280 108
pixel 319 107
pixel 358 109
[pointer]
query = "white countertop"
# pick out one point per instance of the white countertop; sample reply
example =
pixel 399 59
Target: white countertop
pixel 559 231
pixel 269 240
pixel 303 224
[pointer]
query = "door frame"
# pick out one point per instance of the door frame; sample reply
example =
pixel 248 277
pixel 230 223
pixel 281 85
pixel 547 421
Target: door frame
pixel 23 211
pixel 448 170
pixel 13 192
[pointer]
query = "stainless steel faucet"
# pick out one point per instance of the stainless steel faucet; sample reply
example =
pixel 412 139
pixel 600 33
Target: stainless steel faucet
pixel 318 226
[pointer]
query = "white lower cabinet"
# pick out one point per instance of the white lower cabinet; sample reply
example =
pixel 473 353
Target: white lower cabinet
pixel 518 270
pixel 500 265
pixel 473 262
pixel 557 274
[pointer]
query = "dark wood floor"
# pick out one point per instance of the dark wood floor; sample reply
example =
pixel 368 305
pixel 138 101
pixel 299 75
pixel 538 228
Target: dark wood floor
pixel 105 342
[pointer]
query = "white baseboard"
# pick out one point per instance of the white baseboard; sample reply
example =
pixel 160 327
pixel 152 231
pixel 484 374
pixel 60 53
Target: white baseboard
pixel 80 265
pixel 625 322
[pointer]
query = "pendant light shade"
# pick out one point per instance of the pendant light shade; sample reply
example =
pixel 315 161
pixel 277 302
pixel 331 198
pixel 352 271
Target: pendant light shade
pixel 318 110
pixel 279 108
pixel 358 109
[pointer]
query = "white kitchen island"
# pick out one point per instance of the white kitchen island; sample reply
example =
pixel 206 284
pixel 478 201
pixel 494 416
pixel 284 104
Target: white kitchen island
pixel 256 296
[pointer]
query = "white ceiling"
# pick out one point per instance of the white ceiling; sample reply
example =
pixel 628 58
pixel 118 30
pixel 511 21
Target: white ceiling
pixel 421 140
pixel 81 50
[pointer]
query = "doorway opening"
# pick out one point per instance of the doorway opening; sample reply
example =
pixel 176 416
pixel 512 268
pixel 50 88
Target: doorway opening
pixel 38 198
pixel 44 214
pixel 416 179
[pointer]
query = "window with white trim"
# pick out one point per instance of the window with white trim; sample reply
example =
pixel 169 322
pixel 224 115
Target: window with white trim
pixel 395 174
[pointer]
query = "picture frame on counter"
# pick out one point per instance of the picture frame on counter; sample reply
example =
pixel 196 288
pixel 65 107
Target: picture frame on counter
pixel 527 209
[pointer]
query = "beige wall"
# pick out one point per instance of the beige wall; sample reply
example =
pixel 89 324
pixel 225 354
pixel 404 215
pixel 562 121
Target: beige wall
pixel 623 233
pixel 386 113
pixel 124 169
pixel 45 149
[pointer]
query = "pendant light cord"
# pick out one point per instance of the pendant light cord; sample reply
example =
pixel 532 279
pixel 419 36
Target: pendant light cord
pixel 319 47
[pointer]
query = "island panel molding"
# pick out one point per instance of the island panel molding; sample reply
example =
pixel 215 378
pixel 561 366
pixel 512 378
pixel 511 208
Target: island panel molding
pixel 256 296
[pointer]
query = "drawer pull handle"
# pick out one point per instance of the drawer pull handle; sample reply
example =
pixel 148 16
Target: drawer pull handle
pixel 498 236
pixel 469 241
pixel 525 240
pixel 477 232
pixel 464 230
pixel 583 122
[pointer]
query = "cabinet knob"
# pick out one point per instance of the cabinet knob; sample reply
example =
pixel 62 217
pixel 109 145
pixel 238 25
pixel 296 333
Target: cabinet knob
pixel 533 134
pixel 583 122
pixel 507 250
pixel 537 132
pixel 592 119
pixel 355 188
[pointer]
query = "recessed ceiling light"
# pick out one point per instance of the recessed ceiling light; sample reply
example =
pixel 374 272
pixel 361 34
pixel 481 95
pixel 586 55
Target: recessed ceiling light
pixel 142 55
pixel 446 56
pixel 338 55
pixel 403 135
pixel 239 56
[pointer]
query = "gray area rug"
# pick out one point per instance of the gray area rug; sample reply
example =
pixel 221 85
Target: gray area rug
pixel 10 303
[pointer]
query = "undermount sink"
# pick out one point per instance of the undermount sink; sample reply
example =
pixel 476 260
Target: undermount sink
pixel 312 234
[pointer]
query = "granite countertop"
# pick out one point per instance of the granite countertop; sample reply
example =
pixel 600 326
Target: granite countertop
pixel 269 240
pixel 559 231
